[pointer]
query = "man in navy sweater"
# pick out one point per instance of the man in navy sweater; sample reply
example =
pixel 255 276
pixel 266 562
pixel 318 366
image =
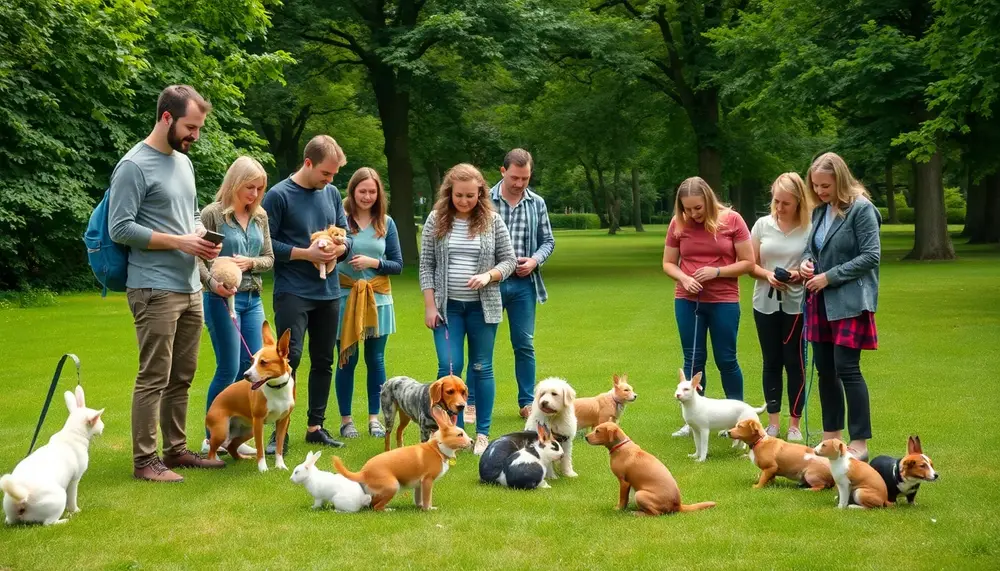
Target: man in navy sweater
pixel 296 207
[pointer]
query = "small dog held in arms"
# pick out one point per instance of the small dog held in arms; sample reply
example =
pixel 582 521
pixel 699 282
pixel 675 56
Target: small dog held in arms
pixel 327 239
pixel 226 272
pixel 705 414
pixel 591 411
pixel 327 487
pixel 44 485
pixel 656 491
pixel 553 407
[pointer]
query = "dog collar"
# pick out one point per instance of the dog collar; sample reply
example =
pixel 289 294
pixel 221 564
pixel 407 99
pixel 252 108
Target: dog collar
pixel 281 386
pixel 619 445
pixel 759 440
pixel 895 471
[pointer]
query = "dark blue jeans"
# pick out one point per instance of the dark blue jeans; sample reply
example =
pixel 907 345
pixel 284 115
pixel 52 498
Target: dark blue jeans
pixel 518 295
pixel 722 322
pixel 374 348
pixel 465 319
pixel 231 357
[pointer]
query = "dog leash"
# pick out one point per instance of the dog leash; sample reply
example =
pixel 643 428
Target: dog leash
pixel 52 390
pixel 237 326
pixel 694 337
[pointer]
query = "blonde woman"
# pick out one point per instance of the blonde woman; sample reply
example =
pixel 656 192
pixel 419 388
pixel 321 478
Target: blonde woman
pixel 365 293
pixel 707 250
pixel 779 240
pixel 841 273
pixel 237 215
pixel 465 253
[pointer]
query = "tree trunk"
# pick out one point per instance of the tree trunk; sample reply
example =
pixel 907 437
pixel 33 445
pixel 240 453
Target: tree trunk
pixel 602 192
pixel 744 199
pixel 636 202
pixel 614 203
pixel 890 193
pixel 594 195
pixel 976 210
pixel 704 118
pixel 932 241
pixel 394 111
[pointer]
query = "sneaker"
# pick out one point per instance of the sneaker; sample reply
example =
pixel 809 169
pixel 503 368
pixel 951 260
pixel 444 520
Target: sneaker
pixel 862 456
pixel 155 471
pixel 470 414
pixel 321 436
pixel 204 448
pixel 482 441
pixel 772 430
pixel 683 431
pixel 794 435
pixel 525 411
pixel 189 459
pixel 349 431
pixel 272 445
pixel 376 429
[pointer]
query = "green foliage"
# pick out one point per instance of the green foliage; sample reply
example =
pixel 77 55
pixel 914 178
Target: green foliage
pixel 575 221
pixel 906 215
pixel 953 198
pixel 26 298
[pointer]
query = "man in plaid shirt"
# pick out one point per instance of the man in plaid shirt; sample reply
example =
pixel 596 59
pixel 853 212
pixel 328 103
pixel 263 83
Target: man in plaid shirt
pixel 527 219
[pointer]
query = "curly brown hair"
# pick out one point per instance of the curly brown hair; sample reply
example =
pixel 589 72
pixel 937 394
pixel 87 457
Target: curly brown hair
pixel 444 208
pixel 378 211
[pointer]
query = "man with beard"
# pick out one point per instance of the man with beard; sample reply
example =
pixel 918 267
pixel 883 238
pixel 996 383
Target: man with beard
pixel 304 203
pixel 153 209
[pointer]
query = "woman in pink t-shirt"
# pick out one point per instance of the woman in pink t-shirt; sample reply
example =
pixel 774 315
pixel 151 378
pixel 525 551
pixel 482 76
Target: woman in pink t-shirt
pixel 707 250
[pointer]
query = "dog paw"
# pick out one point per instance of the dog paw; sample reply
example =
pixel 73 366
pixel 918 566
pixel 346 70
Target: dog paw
pixel 695 455
pixel 262 466
pixel 59 521
pixel 280 464
pixel 74 510
pixel 571 474
pixel 544 485
pixel 699 459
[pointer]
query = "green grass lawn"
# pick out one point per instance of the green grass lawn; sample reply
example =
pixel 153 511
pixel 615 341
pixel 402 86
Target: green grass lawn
pixel 610 310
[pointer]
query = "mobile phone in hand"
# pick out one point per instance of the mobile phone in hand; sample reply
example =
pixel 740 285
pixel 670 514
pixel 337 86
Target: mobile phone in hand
pixel 213 237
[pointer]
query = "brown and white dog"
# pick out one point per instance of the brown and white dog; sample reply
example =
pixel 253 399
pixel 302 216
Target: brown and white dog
pixel 242 409
pixel 858 484
pixel 416 466
pixel 902 477
pixel 415 401
pixel 327 239
pixel 775 457
pixel 656 491
pixel 591 411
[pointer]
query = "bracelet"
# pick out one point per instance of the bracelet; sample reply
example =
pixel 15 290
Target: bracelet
pixel 718 272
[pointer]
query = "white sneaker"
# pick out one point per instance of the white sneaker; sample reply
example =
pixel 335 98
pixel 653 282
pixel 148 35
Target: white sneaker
pixel 470 414
pixel 244 449
pixel 247 450
pixel 794 435
pixel 221 450
pixel 683 431
pixel 771 431
pixel 481 443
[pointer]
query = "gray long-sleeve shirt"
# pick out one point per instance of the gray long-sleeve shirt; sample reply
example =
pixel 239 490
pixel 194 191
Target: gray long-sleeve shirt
pixel 151 191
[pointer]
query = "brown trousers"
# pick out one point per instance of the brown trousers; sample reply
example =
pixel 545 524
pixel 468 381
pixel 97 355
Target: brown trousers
pixel 168 327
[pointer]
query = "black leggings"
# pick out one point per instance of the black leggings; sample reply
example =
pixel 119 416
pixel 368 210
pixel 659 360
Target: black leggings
pixel 318 318
pixel 780 336
pixel 839 373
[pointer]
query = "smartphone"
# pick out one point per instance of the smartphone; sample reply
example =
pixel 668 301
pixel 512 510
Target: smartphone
pixel 213 237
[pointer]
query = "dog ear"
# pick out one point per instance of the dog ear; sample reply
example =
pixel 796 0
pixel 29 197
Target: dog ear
pixel 437 390
pixel 680 374
pixel 616 380
pixel 696 381
pixel 286 338
pixel 266 334
pixel 913 445
pixel 540 428
pixel 569 395
pixel 70 401
pixel 81 401
pixel 440 417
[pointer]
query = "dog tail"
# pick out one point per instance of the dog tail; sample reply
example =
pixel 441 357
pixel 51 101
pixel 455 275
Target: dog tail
pixel 697 506
pixel 761 409
pixel 13 489
pixel 352 476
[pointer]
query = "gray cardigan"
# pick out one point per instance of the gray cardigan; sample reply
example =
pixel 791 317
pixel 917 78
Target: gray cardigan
pixel 495 252
pixel 849 257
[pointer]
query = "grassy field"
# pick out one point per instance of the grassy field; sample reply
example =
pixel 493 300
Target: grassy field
pixel 611 310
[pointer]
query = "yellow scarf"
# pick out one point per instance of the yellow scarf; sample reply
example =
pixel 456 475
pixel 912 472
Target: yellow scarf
pixel 360 319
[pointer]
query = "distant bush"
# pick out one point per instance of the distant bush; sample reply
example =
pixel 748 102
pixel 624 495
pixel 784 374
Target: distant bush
pixel 575 221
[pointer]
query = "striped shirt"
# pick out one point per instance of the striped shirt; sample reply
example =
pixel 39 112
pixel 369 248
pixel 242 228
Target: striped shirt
pixel 463 261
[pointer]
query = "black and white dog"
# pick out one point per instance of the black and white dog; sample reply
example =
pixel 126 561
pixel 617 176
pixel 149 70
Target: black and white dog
pixel 520 459
pixel 414 401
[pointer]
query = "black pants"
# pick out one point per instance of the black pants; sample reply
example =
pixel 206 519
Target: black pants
pixel 780 336
pixel 839 373
pixel 319 318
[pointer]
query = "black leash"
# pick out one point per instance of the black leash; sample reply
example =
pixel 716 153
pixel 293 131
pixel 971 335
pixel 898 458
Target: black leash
pixel 52 390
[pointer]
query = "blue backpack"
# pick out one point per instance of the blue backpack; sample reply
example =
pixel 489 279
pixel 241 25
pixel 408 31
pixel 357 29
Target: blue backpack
pixel 108 259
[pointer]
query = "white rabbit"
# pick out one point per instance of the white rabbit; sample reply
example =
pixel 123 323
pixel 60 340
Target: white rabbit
pixel 345 495
pixel 44 484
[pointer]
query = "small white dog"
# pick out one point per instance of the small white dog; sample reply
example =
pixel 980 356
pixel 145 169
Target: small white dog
pixel 44 484
pixel 705 414
pixel 553 407
pixel 345 495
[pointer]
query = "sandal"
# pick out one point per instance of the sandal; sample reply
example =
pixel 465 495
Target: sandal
pixel 376 429
pixel 348 430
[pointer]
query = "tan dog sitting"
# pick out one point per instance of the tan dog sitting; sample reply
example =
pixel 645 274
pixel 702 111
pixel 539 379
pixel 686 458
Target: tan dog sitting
pixel 609 406
pixel 327 239
pixel 656 491
pixel 858 484
pixel 775 457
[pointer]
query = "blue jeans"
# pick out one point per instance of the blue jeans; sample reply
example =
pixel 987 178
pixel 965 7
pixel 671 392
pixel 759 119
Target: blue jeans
pixel 465 318
pixel 518 295
pixel 722 322
pixel 231 357
pixel 374 348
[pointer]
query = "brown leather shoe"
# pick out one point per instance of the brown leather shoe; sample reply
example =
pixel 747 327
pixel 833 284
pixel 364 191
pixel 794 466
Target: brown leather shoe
pixel 155 471
pixel 189 459
pixel 526 411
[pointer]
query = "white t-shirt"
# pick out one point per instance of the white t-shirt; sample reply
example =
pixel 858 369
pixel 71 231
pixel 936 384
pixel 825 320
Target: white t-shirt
pixel 463 261
pixel 779 249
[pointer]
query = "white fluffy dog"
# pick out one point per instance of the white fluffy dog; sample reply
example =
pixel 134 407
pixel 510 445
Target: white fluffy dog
pixel 553 407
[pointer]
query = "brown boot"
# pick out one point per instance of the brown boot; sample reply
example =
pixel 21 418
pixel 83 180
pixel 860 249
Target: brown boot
pixel 155 471
pixel 526 411
pixel 189 459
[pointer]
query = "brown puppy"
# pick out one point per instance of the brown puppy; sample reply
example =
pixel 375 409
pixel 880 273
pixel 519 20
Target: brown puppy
pixel 327 239
pixel 656 492
pixel 775 457
pixel 591 411
pixel 415 466
pixel 858 484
